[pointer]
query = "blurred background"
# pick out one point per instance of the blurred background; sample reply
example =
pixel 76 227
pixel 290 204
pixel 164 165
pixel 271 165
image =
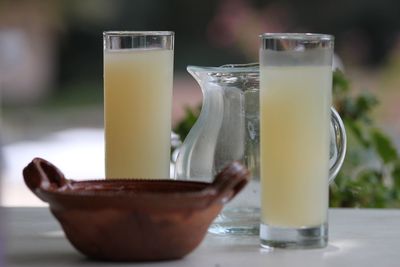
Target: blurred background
pixel 51 65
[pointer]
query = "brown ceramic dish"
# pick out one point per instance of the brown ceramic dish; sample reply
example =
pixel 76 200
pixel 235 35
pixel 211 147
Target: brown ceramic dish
pixel 133 220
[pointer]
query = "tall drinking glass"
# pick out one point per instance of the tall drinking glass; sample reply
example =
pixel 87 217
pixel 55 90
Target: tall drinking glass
pixel 138 73
pixel 295 101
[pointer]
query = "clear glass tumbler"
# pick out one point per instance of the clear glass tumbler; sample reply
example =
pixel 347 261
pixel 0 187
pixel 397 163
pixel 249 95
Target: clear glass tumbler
pixel 295 101
pixel 138 73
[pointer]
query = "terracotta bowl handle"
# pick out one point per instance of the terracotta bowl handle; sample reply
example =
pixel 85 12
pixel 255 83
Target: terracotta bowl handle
pixel 230 181
pixel 41 174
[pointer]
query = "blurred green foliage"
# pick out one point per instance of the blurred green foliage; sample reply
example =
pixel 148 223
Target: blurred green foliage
pixel 184 126
pixel 370 175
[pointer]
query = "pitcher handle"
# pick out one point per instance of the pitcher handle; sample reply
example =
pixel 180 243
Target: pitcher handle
pixel 338 144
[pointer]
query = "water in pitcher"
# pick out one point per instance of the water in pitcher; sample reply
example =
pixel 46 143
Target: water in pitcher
pixel 242 214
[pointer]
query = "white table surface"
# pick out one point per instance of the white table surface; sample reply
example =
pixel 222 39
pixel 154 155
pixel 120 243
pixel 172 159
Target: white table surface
pixel 357 238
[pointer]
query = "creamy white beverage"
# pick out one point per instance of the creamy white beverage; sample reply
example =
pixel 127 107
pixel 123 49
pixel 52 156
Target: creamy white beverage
pixel 137 102
pixel 295 117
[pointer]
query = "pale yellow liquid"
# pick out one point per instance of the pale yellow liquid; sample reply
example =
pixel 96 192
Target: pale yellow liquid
pixel 137 103
pixel 295 117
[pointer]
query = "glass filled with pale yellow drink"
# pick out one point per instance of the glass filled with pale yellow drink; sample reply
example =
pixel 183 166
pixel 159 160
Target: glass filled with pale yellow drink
pixel 138 74
pixel 295 101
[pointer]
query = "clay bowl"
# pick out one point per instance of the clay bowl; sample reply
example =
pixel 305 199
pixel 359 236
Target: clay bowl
pixel 133 220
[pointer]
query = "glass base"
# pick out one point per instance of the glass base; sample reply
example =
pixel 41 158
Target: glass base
pixel 237 221
pixel 276 237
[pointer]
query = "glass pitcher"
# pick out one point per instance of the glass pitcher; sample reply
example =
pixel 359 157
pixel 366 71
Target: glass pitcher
pixel 228 129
